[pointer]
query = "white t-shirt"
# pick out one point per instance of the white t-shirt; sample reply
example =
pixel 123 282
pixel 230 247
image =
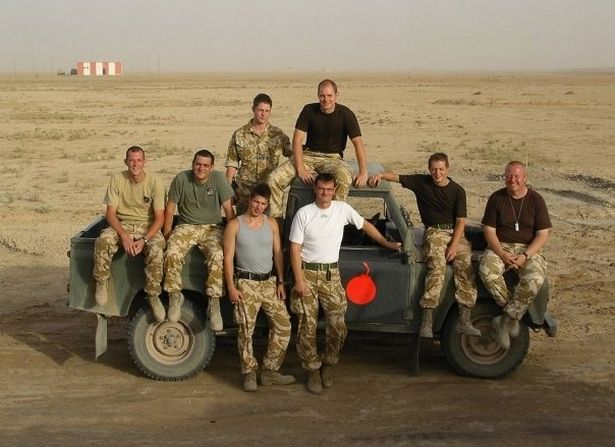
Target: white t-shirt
pixel 320 231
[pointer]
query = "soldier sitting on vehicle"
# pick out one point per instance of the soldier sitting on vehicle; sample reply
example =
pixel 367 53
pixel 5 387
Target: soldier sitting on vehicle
pixel 254 151
pixel 135 214
pixel 197 195
pixel 442 206
pixel 516 225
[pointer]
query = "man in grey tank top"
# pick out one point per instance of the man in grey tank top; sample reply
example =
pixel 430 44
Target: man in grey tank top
pixel 252 248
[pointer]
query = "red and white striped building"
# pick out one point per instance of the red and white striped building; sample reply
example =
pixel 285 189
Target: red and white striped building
pixel 99 68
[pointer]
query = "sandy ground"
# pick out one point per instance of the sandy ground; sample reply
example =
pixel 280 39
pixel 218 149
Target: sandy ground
pixel 60 139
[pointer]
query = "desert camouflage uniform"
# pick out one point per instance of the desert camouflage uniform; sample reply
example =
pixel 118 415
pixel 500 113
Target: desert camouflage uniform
pixel 208 238
pixel 531 277
pixel 330 294
pixel 108 243
pixel 255 156
pixel 257 294
pixel 434 248
pixel 281 177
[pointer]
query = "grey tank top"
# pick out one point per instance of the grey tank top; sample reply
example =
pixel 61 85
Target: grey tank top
pixel 254 247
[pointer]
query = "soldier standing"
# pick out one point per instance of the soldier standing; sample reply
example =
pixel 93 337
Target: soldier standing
pixel 135 213
pixel 197 195
pixel 252 247
pixel 254 151
pixel 442 205
pixel 324 127
pixel 316 236
pixel 516 224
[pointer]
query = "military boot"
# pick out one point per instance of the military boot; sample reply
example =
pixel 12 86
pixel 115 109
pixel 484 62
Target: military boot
pixel 102 292
pixel 326 375
pixel 176 299
pixel 426 324
pixel 157 308
pixel 502 325
pixel 464 325
pixel 269 377
pixel 249 381
pixel 213 311
pixel 314 382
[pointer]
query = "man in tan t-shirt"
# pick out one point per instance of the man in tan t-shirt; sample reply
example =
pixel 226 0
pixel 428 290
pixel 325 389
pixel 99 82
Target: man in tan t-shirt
pixel 135 214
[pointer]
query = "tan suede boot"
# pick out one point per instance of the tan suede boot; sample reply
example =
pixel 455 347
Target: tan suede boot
pixel 314 383
pixel 269 377
pixel 215 318
pixel 157 308
pixel 426 324
pixel 249 381
pixel 176 299
pixel 464 325
pixel 101 295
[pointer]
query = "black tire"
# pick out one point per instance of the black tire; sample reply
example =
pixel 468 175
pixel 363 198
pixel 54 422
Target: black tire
pixel 171 351
pixel 482 356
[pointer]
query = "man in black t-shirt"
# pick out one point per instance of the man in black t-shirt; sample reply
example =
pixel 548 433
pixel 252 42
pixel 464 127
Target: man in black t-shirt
pixel 516 225
pixel 442 205
pixel 319 140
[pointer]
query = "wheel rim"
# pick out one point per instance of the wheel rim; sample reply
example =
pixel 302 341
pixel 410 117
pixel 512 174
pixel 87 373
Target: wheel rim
pixel 483 350
pixel 169 343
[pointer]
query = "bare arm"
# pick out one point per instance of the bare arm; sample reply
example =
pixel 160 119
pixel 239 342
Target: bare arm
pixel 169 212
pixel 539 241
pixel 228 247
pixel 361 154
pixel 278 258
pixel 298 139
pixel 128 242
pixel 295 262
pixel 230 173
pixel 373 232
pixel 229 212
pixel 390 176
pixel 453 246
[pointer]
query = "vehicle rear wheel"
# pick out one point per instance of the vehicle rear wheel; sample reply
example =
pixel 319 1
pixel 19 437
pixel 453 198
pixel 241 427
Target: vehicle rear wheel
pixel 482 356
pixel 171 351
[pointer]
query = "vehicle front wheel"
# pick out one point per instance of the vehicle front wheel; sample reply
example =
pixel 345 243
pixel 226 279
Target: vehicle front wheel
pixel 482 356
pixel 171 351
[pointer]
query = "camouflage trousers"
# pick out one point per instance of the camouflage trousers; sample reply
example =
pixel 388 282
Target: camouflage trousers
pixel 242 197
pixel 330 294
pixel 281 177
pixel 434 248
pixel 108 243
pixel 208 238
pixel 257 295
pixel 531 277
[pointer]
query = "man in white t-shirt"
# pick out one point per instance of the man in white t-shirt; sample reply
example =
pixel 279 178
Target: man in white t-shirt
pixel 316 236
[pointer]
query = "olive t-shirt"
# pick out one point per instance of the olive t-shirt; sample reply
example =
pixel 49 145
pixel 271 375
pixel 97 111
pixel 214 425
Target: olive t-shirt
pixel 199 203
pixel 437 204
pixel 502 212
pixel 327 132
pixel 135 202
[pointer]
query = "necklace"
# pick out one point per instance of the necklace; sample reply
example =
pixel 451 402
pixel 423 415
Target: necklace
pixel 517 217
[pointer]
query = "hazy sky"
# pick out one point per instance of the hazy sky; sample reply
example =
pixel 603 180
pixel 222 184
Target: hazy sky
pixel 283 35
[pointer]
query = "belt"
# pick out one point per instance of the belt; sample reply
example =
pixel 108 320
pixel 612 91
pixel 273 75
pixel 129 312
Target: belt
pixel 318 266
pixel 443 226
pixel 242 274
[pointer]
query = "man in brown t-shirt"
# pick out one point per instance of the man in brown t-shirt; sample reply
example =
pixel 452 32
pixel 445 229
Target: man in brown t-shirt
pixel 516 224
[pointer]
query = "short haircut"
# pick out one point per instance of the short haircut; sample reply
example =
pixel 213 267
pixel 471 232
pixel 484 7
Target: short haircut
pixel 438 156
pixel 204 153
pixel 260 98
pixel 325 177
pixel 261 189
pixel 135 149
pixel 326 82
pixel 514 163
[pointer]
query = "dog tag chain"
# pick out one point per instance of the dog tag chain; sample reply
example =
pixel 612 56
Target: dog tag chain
pixel 517 217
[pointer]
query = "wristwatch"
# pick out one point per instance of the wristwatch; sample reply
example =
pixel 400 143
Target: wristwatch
pixel 527 255
pixel 146 240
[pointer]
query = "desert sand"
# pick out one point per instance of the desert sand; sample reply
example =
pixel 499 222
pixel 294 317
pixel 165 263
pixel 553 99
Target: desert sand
pixel 61 138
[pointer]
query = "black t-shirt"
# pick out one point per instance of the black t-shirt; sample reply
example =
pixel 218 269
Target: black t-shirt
pixel 327 132
pixel 502 211
pixel 437 204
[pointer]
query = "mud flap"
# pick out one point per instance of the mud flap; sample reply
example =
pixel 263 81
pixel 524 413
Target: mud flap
pixel 101 335
pixel 415 348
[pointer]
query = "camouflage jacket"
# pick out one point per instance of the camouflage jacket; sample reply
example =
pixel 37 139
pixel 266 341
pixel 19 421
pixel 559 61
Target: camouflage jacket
pixel 256 156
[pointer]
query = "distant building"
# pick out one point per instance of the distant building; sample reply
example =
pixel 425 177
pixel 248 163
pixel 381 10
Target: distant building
pixel 99 68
